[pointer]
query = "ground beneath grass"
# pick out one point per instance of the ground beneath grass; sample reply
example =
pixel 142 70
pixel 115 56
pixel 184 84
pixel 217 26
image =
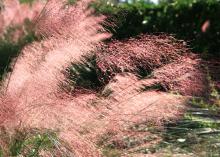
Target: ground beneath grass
pixel 196 134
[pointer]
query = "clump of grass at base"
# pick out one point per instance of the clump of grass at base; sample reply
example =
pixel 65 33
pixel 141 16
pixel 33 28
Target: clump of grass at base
pixel 33 143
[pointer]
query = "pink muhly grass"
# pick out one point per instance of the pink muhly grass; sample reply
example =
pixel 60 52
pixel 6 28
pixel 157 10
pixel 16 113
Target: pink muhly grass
pixel 70 32
pixel 15 14
pixel 31 93
pixel 186 76
pixel 145 52
pixel 168 60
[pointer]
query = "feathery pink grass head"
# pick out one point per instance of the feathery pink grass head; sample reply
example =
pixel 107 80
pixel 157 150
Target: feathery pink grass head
pixel 167 59
pixel 145 52
pixel 187 76
pixel 14 13
pixel 70 32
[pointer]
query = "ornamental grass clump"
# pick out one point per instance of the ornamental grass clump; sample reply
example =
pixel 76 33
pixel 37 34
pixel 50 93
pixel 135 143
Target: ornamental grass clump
pixel 33 95
pixel 143 53
pixel 40 65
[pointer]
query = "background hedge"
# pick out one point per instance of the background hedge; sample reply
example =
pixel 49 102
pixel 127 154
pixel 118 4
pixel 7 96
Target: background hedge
pixel 182 18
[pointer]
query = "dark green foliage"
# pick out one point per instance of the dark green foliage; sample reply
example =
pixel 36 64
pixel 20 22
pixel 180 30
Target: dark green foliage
pixel 183 18
pixel 7 51
pixel 84 75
